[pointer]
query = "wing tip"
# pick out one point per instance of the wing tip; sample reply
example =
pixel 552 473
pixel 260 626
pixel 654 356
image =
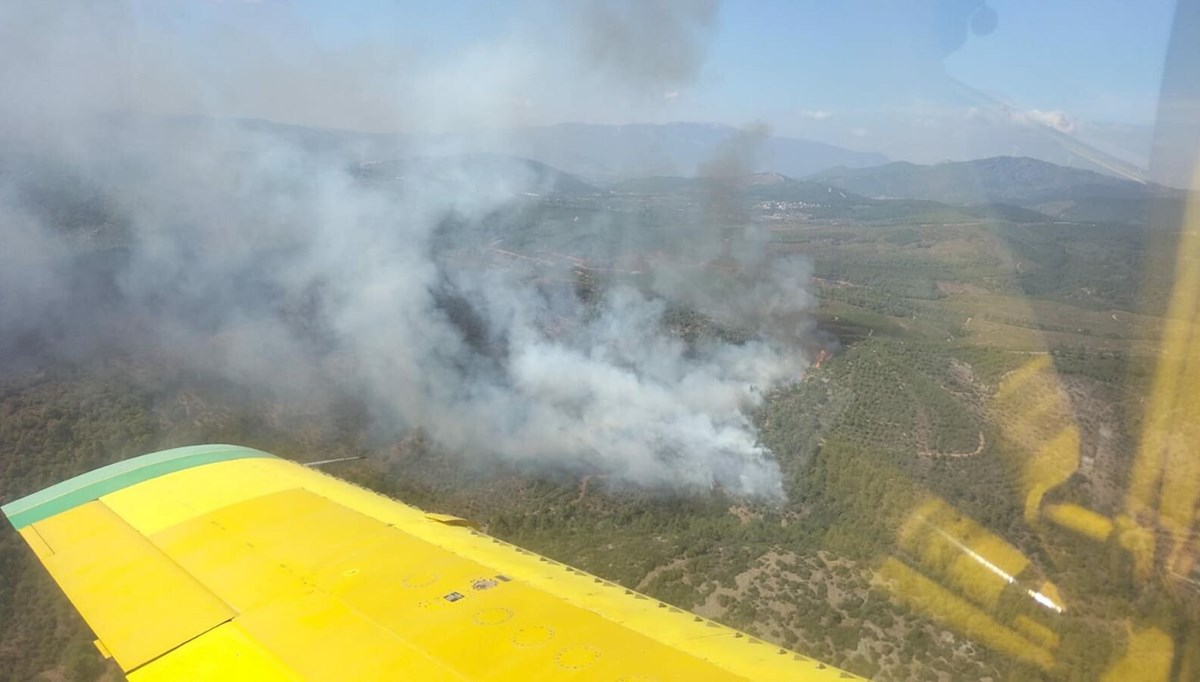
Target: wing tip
pixel 93 484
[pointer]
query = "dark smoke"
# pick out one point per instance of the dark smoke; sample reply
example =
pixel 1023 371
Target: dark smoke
pixel 646 44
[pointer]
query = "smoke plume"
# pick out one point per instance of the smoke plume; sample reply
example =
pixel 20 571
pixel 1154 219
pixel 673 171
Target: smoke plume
pixel 263 255
pixel 646 43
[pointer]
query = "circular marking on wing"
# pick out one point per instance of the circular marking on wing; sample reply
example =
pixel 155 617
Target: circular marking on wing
pixel 493 616
pixel 576 657
pixel 533 635
pixel 419 579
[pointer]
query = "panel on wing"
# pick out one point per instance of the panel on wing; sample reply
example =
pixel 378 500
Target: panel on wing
pixel 139 602
pixel 359 585
pixel 225 653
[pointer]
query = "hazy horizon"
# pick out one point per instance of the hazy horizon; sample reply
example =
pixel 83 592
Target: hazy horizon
pixel 926 82
pixel 1079 162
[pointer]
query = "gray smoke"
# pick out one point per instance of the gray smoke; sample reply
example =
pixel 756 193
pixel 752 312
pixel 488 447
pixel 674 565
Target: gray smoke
pixel 646 43
pixel 252 253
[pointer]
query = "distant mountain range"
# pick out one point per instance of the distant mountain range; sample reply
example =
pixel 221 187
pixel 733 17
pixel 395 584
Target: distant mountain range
pixel 677 158
pixel 769 186
pixel 601 152
pixel 1058 191
pixel 603 155
pixel 661 158
pixel 1003 178
pixel 596 153
pixel 495 171
pixel 822 199
pixel 1013 188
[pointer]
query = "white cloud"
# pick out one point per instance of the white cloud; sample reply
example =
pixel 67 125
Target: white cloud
pixel 1056 119
pixel 816 114
pixel 1051 118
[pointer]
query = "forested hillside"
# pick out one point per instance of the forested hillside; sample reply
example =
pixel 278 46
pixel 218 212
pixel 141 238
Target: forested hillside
pixel 935 333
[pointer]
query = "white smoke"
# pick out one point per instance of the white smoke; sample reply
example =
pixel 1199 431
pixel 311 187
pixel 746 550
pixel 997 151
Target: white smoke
pixel 251 252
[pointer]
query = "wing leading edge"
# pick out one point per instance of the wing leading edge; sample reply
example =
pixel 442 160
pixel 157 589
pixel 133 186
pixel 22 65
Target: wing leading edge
pixel 223 562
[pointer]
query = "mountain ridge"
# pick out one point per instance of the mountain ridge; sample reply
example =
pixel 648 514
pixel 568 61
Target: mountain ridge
pixel 1000 178
pixel 1062 192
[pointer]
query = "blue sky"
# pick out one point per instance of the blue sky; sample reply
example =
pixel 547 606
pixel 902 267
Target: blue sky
pixel 867 74
pixel 1083 57
pixel 1099 59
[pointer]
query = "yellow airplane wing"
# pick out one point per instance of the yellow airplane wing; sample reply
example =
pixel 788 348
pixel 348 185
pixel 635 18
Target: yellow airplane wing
pixel 218 562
